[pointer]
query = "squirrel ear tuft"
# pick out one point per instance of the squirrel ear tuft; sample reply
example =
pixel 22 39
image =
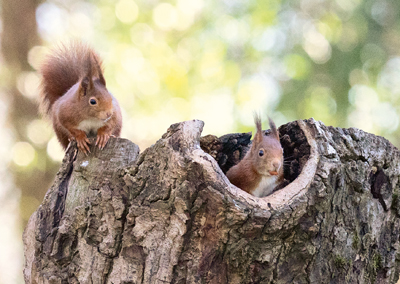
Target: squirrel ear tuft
pixel 87 80
pixel 259 134
pixel 274 130
pixel 101 78
pixel 99 71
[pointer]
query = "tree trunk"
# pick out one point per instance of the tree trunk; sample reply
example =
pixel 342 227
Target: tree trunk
pixel 19 35
pixel 170 215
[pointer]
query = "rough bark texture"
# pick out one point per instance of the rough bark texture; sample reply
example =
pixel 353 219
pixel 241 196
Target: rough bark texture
pixel 169 215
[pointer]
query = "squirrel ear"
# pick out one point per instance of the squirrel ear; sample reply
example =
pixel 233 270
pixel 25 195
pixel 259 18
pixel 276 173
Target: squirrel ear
pixel 86 84
pixel 274 131
pixel 101 78
pixel 259 134
pixel 99 71
pixel 87 81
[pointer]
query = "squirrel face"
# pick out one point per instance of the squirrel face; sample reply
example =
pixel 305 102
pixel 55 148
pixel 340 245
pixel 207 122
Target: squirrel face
pixel 261 170
pixel 266 151
pixel 267 156
pixel 96 98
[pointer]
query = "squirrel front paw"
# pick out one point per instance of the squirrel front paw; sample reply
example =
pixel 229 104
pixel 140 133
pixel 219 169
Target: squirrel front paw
pixel 82 141
pixel 102 138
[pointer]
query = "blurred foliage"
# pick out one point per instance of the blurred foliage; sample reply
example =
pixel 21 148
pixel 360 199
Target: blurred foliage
pixel 219 61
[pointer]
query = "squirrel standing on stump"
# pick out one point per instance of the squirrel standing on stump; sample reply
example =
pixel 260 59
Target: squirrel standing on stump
pixel 75 97
pixel 261 169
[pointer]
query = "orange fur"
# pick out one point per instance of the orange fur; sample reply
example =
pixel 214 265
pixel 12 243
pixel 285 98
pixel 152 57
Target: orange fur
pixel 259 174
pixel 72 78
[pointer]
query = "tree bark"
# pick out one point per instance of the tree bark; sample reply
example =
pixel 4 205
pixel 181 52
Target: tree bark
pixel 170 215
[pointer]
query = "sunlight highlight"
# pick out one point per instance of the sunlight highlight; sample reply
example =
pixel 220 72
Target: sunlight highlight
pixel 127 11
pixel 165 16
pixel 39 132
pixel 54 150
pixel 23 154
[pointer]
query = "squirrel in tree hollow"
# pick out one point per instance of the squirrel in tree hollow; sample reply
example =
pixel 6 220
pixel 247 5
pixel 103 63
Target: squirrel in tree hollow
pixel 261 170
pixel 75 97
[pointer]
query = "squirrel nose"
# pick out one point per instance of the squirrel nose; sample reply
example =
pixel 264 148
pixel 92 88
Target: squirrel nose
pixel 276 165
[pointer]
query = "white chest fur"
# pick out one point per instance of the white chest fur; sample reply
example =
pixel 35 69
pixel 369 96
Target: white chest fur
pixel 91 125
pixel 266 186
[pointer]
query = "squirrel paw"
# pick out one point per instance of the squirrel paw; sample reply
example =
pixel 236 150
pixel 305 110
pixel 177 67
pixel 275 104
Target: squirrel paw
pixel 82 142
pixel 102 139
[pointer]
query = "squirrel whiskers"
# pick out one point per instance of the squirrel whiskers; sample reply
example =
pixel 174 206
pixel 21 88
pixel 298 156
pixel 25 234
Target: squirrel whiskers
pixel 75 97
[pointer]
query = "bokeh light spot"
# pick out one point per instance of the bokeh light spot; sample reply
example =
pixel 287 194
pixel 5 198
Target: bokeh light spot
pixel 39 132
pixel 165 16
pixel 126 11
pixel 28 84
pixel 317 47
pixel 54 150
pixel 81 25
pixel 23 154
pixel 52 20
pixel 190 7
pixel 386 117
pixel 36 55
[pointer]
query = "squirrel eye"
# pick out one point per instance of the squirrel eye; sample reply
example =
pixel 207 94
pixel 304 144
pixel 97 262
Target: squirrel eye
pixel 261 153
pixel 92 102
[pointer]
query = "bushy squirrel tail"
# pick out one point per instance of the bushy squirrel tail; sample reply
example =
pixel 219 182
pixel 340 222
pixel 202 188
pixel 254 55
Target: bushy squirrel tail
pixel 64 66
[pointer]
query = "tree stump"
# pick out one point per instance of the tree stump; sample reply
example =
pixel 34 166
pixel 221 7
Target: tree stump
pixel 170 215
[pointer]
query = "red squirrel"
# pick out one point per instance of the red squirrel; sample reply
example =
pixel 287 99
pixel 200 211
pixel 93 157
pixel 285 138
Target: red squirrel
pixel 261 169
pixel 75 97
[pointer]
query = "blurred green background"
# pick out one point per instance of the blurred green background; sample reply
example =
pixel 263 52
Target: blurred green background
pixel 169 61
